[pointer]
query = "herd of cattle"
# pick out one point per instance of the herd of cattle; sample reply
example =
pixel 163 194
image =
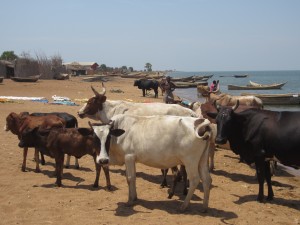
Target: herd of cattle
pixel 163 136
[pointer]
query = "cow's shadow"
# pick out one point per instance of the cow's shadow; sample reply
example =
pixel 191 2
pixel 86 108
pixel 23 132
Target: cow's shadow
pixel 236 176
pixel 172 207
pixel 291 203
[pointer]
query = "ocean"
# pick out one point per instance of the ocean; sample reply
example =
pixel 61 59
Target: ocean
pixel 292 77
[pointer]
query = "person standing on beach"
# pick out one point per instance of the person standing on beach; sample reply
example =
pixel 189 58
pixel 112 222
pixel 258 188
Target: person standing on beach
pixel 169 88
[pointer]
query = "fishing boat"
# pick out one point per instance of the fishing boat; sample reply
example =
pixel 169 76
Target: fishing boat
pixel 255 87
pixel 263 85
pixel 182 84
pixel 240 75
pixel 277 99
pixel 26 79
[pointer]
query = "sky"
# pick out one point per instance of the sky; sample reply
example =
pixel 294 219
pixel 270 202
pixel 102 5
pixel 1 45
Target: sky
pixel 182 35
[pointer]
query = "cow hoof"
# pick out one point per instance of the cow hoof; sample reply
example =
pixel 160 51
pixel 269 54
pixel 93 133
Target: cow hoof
pixel 67 166
pixel 37 170
pixel 95 185
pixel 23 169
pixel 203 210
pixel 43 162
pixel 260 200
pixel 109 188
pixel 269 198
pixel 77 167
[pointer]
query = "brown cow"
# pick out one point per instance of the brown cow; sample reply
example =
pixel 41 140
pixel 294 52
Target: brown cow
pixel 17 123
pixel 72 141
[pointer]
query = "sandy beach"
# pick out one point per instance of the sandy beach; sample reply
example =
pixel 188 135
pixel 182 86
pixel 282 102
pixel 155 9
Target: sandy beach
pixel 32 198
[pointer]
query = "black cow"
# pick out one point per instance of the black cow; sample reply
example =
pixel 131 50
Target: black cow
pixel 258 135
pixel 147 85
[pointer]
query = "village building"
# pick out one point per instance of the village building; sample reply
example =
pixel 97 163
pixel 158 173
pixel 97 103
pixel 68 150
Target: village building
pixel 81 68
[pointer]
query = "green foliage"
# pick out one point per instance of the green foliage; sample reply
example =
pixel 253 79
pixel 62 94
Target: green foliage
pixel 8 55
pixel 148 66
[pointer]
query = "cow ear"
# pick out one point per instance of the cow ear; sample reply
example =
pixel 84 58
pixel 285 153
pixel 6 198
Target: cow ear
pixel 117 132
pixel 212 114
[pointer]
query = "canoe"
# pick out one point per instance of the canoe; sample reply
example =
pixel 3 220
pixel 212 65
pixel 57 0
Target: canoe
pixel 26 79
pixel 189 84
pixel 263 85
pixel 241 76
pixel 277 99
pixel 251 87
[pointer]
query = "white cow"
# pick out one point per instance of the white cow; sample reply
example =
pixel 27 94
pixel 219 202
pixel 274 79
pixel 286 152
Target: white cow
pixel 166 142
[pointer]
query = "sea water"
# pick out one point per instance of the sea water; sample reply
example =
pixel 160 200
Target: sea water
pixel 292 77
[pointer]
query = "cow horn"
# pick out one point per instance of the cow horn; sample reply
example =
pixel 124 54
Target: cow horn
pixel 103 89
pixel 236 105
pixel 91 125
pixel 95 92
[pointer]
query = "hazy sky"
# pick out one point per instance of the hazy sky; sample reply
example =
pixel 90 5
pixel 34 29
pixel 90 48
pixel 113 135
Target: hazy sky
pixel 186 35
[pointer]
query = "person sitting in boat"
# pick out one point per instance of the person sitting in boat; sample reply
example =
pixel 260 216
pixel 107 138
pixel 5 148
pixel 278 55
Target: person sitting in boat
pixel 213 86
pixel 169 88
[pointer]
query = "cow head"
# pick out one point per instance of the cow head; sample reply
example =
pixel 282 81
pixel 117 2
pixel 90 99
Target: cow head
pixel 137 83
pixel 104 132
pixel 93 105
pixel 13 122
pixel 223 118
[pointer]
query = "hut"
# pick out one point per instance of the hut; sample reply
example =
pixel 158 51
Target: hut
pixel 81 68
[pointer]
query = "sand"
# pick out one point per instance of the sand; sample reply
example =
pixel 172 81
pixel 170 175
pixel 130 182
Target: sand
pixel 32 198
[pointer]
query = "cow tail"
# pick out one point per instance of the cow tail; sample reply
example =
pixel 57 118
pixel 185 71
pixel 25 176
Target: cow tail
pixel 202 129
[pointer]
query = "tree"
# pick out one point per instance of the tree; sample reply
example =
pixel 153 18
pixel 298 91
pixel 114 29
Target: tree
pixel 103 68
pixel 8 55
pixel 148 66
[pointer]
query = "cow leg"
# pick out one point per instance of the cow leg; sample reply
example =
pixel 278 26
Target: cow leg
pixel 25 150
pixel 184 177
pixel 260 171
pixel 194 178
pixel 98 170
pixel 76 163
pixel 143 92
pixel 68 161
pixel 42 159
pixel 107 177
pixel 131 177
pixel 175 173
pixel 164 181
pixel 268 179
pixel 37 160
pixel 206 183
pixel 59 161
pixel 156 93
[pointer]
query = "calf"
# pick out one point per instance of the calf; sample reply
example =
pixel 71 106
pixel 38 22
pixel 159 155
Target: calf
pixel 72 141
pixel 71 122
pixel 17 123
pixel 147 85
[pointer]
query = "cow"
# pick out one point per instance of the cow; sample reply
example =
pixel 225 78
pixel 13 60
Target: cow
pixel 71 122
pixel 259 135
pixel 147 85
pixel 71 141
pixel 99 108
pixel 230 100
pixel 166 142
pixel 17 123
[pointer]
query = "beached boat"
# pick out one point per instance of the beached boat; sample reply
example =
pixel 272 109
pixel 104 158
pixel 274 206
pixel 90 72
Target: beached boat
pixel 277 99
pixel 26 79
pixel 259 87
pixel 62 76
pixel 181 84
pixel 263 85
pixel 240 75
pixel 1 79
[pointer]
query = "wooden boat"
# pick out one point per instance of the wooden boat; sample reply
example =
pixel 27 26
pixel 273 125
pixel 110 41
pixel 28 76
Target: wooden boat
pixel 26 79
pixel 277 99
pixel 251 87
pixel 1 79
pixel 62 76
pixel 241 76
pixel 263 85
pixel 180 84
